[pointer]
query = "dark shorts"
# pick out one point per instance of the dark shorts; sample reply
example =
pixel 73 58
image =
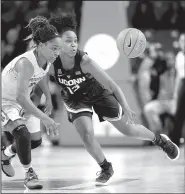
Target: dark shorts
pixel 107 108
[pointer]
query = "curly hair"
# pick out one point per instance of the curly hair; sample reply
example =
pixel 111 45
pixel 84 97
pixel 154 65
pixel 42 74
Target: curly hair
pixel 42 30
pixel 63 22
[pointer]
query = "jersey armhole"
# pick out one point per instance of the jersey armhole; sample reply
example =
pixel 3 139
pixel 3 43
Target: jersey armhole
pixel 86 74
pixel 19 60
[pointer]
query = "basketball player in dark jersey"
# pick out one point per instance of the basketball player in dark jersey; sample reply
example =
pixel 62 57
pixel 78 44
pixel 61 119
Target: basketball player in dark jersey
pixel 84 85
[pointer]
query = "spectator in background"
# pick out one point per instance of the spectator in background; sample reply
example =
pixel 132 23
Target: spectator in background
pixel 180 18
pixel 163 103
pixel 144 16
pixel 143 79
pixel 158 68
pixel 3 64
pixel 145 88
pixel 179 93
pixel 173 17
pixel 168 17
pixel 9 45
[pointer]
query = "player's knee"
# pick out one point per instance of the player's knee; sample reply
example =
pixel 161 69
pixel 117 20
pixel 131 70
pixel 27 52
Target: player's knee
pixel 23 144
pixel 88 137
pixel 12 125
pixel 22 132
pixel 35 143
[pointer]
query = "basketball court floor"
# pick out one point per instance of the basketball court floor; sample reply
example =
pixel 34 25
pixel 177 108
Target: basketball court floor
pixel 72 170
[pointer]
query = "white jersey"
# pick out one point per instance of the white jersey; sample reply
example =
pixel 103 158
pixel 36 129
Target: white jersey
pixel 9 76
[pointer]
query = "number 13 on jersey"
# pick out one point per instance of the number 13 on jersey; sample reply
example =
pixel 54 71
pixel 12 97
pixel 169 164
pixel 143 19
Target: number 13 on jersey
pixel 73 89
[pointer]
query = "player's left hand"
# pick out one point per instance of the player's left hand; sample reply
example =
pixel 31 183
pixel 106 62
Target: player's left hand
pixel 130 116
pixel 48 106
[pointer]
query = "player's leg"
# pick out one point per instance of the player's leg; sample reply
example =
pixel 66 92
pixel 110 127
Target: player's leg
pixel 6 166
pixel 82 119
pixel 16 125
pixel 141 132
pixel 36 141
pixel 81 116
pixel 6 138
pixel 33 125
pixel 112 111
pixel 85 129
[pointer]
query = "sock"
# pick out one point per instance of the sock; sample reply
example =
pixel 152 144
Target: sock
pixel 27 167
pixel 8 151
pixel 104 164
pixel 157 139
pixel 23 144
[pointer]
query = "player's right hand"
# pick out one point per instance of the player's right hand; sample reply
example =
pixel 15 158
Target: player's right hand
pixel 51 126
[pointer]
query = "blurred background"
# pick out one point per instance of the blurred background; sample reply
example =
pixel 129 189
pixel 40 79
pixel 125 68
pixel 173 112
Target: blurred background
pixel 148 81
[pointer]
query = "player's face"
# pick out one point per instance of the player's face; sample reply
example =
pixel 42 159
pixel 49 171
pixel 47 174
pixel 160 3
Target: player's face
pixel 182 42
pixel 51 49
pixel 69 43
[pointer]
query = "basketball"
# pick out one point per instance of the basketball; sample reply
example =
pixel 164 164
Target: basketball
pixel 131 42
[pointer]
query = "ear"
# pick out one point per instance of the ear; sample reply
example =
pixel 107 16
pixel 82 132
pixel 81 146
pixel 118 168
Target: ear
pixel 40 44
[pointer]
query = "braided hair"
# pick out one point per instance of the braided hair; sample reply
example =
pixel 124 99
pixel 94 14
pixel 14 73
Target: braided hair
pixel 64 22
pixel 42 30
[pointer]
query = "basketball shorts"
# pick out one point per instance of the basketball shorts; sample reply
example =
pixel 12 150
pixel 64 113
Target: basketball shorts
pixel 107 108
pixel 11 110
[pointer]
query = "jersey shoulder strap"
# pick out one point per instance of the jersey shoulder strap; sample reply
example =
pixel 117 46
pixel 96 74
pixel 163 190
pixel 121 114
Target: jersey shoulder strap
pixel 78 57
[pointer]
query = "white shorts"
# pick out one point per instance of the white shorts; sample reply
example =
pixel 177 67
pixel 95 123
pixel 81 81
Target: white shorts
pixel 11 110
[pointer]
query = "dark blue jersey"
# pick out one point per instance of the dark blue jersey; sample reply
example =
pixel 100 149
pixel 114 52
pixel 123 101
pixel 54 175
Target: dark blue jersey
pixel 75 84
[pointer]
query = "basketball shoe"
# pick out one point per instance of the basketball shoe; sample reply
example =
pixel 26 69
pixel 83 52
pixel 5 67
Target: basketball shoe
pixel 31 180
pixel 104 175
pixel 6 165
pixel 171 149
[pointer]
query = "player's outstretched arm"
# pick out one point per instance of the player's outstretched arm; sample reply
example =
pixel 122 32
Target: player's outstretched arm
pixel 90 66
pixel 25 71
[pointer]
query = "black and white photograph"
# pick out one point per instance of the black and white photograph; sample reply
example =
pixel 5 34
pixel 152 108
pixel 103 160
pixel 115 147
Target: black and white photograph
pixel 92 96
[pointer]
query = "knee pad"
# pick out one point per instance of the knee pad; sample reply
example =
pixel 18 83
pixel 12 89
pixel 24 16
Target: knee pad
pixel 21 130
pixel 35 143
pixel 23 144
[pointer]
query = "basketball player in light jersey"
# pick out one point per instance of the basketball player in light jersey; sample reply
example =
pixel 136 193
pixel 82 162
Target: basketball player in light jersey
pixel 85 85
pixel 19 115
